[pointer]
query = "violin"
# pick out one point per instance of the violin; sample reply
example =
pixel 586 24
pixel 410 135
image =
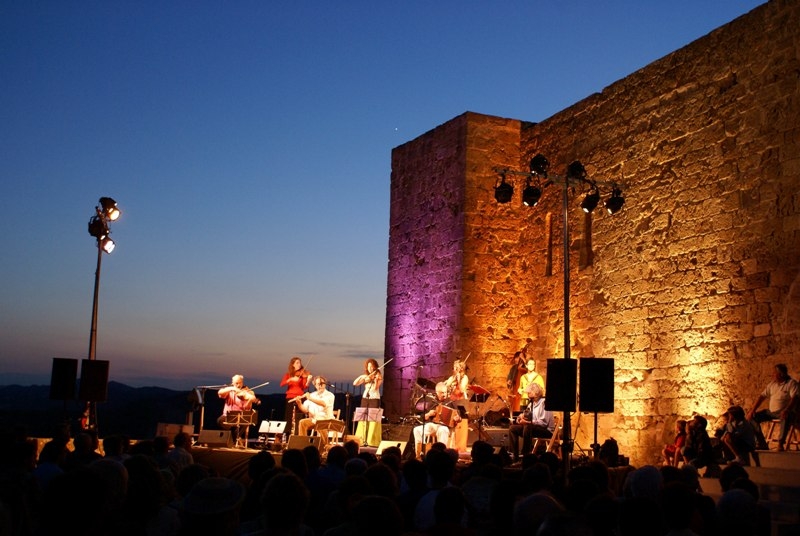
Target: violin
pixel 302 372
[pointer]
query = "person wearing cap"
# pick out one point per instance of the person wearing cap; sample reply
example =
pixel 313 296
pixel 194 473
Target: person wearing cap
pixel 317 405
pixel 782 393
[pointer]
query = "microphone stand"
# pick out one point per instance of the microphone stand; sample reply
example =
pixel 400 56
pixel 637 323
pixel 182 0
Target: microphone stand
pixel 201 390
pixel 347 410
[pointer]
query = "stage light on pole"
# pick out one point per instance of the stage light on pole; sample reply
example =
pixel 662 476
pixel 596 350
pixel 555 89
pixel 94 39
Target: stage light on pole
pixel 615 202
pixel 503 192
pixel 105 212
pixel 575 176
pixel 531 195
pixel 591 200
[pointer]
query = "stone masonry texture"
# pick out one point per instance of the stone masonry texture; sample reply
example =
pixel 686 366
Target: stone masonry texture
pixel 692 288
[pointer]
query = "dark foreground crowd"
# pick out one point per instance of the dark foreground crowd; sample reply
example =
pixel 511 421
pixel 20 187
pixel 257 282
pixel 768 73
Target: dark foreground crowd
pixel 154 488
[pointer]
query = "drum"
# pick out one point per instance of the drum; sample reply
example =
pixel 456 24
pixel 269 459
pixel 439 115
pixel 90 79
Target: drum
pixel 425 402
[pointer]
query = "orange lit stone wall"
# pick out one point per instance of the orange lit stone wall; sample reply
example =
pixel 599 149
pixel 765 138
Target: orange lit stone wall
pixel 692 288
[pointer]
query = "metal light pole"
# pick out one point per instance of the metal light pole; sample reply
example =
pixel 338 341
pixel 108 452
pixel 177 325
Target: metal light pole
pixel 576 176
pixel 106 212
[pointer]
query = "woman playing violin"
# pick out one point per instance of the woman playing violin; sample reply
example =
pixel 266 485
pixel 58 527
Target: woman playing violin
pixel 458 383
pixel 370 432
pixel 296 381
pixel 457 386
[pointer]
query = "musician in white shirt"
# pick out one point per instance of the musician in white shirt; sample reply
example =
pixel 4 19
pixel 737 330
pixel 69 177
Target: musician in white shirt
pixel 318 406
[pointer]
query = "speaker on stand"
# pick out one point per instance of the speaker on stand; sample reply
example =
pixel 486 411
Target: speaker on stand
pixel 596 389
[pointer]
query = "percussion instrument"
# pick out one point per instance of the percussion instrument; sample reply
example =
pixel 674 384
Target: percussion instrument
pixel 425 402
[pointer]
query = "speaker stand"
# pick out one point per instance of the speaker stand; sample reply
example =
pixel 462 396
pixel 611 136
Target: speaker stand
pixel 595 445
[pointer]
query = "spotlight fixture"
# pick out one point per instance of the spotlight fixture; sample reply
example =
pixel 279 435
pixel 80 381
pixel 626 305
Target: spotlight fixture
pixel 106 211
pixel 110 209
pixel 107 244
pixel 615 202
pixel 591 200
pixel 503 192
pixel 576 171
pixel 98 227
pixel 575 178
pixel 531 195
pixel 539 165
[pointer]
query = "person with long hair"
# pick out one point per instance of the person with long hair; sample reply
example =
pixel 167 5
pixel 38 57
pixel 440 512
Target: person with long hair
pixel 370 432
pixel 296 381
pixel 672 452
pixel 457 385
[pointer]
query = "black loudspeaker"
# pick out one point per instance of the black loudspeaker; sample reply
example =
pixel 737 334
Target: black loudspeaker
pixel 397 432
pixel 494 435
pixel 400 434
pixel 561 389
pixel 215 438
pixel 94 381
pixel 386 444
pixel 300 442
pixel 63 378
pixel 596 386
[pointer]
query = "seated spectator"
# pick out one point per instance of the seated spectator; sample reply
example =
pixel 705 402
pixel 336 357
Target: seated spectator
pixel 783 395
pixel 672 452
pixel 737 513
pixel 212 507
pixel 697 451
pixel 740 436
pixel 181 454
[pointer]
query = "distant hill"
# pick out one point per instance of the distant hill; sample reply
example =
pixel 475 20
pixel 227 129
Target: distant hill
pixel 132 411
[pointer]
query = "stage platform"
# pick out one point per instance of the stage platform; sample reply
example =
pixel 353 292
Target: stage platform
pixel 233 462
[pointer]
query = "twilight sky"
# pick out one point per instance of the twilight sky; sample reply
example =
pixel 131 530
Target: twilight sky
pixel 248 144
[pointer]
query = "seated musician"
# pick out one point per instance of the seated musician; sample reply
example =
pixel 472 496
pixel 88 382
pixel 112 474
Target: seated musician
pixel 534 421
pixel 438 420
pixel 318 406
pixel 238 397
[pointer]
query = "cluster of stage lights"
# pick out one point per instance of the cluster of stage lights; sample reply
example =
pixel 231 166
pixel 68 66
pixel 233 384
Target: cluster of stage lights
pixel 106 212
pixel 537 180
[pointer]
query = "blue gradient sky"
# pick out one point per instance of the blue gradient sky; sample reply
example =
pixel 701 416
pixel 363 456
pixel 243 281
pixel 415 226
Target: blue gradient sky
pixel 248 145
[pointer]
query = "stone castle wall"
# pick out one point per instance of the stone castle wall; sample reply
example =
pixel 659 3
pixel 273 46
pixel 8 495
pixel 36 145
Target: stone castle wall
pixel 692 288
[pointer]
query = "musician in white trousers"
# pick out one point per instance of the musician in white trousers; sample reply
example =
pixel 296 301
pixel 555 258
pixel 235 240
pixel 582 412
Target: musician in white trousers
pixel 432 425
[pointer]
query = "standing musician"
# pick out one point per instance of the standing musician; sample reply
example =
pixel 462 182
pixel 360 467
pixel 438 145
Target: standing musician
pixel 296 381
pixel 318 405
pixel 238 397
pixel 457 386
pixel 370 398
pixel 528 378
pixel 535 421
pixel 513 378
pixel 434 424
pixel 458 383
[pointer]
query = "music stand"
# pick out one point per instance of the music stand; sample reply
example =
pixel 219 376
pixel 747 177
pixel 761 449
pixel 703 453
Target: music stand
pixel 325 427
pixel 271 430
pixel 241 419
pixel 368 415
